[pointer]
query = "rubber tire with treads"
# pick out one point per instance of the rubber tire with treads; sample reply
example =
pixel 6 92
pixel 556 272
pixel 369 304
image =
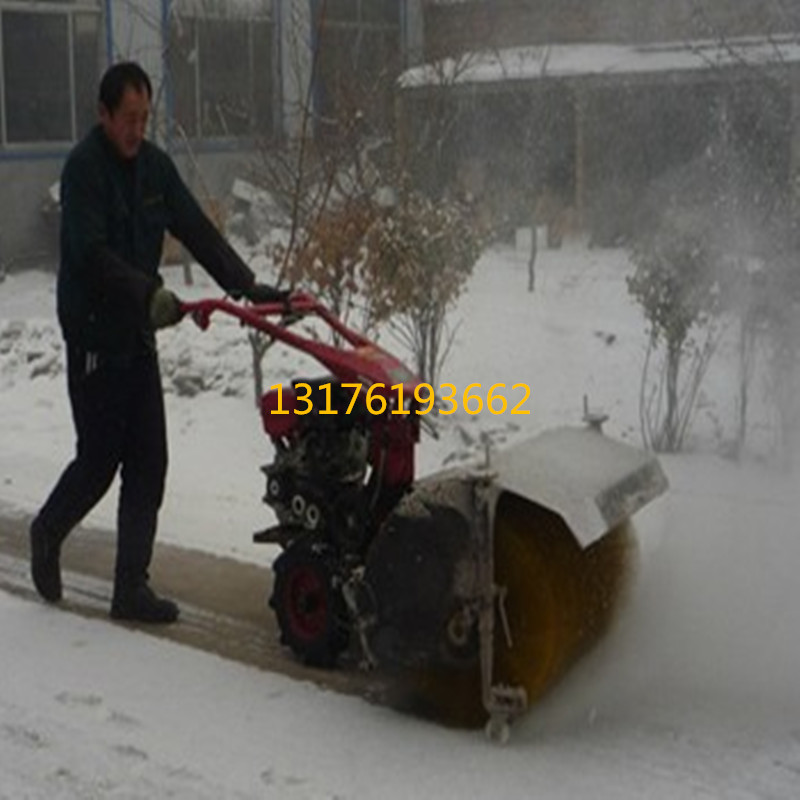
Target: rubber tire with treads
pixel 310 611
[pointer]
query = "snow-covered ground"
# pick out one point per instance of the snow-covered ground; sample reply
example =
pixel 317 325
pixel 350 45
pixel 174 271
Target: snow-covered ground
pixel 695 694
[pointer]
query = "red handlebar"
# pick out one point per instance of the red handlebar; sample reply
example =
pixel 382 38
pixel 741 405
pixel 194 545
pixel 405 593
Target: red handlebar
pixel 365 362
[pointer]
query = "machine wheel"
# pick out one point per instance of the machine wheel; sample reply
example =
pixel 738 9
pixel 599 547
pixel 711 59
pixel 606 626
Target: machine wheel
pixel 310 610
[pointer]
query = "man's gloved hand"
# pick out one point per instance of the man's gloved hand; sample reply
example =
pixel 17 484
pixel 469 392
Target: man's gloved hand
pixel 165 308
pixel 264 293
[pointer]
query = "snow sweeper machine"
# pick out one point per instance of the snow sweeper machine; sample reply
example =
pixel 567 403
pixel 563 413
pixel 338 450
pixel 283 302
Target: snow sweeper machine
pixel 479 585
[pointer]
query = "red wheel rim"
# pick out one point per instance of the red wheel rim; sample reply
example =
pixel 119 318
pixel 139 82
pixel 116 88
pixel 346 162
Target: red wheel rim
pixel 306 602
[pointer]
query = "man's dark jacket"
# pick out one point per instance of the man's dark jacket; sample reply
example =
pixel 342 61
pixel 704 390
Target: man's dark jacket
pixel 114 213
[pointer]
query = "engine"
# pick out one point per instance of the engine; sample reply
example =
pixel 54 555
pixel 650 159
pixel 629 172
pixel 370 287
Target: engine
pixel 318 483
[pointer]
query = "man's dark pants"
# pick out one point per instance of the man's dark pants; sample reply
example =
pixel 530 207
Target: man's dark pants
pixel 118 413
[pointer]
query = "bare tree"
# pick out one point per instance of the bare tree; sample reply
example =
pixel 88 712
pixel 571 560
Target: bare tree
pixel 678 284
pixel 356 226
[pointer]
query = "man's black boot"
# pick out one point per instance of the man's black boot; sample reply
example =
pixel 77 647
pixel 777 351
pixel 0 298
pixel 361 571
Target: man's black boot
pixel 45 563
pixel 139 603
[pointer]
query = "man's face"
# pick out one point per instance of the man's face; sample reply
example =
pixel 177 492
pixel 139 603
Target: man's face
pixel 125 127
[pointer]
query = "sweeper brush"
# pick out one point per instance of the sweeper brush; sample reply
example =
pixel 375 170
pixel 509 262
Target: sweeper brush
pixel 557 601
pixel 475 588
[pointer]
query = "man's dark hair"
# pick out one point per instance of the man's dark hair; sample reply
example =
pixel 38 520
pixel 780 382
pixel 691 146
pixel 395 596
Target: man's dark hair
pixel 118 78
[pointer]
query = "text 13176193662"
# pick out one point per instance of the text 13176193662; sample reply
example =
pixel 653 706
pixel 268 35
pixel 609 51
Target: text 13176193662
pixel 378 398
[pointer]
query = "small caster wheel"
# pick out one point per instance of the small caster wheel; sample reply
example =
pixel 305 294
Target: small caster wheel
pixel 498 730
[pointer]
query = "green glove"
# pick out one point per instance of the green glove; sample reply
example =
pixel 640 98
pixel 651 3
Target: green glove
pixel 165 308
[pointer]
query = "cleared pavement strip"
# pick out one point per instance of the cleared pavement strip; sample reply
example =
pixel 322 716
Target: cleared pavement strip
pixel 223 602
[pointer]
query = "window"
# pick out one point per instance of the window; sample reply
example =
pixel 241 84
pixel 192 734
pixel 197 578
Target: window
pixel 221 70
pixel 53 99
pixel 359 60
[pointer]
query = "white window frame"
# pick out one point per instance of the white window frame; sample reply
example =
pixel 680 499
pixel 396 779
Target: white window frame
pixel 65 8
pixel 252 13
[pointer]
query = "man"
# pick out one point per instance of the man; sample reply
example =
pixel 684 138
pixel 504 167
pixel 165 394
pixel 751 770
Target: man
pixel 119 193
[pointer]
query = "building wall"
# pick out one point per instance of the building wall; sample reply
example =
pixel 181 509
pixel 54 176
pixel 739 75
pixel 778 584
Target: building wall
pixel 27 232
pixel 295 63
pixel 37 38
pixel 136 34
pixel 414 31
pixel 135 30
pixel 671 119
pixel 452 27
pixel 28 221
